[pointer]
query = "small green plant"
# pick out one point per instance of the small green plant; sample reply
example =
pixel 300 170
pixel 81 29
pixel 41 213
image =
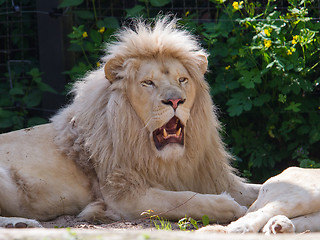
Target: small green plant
pixel 158 222
pixel 161 223
pixel 188 222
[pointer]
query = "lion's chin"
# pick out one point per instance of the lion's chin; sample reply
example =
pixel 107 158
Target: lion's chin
pixel 171 152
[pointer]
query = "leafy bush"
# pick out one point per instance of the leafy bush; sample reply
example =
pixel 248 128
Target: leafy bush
pixel 264 76
pixel 20 99
pixel 21 86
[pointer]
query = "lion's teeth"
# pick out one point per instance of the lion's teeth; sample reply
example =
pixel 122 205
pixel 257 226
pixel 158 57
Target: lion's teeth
pixel 178 132
pixel 165 134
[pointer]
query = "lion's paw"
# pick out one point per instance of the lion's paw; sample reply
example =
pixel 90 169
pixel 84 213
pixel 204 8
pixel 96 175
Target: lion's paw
pixel 213 228
pixel 13 222
pixel 240 227
pixel 279 224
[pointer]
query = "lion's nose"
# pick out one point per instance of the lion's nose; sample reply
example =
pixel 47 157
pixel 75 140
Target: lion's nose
pixel 174 102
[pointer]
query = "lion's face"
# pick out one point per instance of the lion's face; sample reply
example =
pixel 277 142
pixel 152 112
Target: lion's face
pixel 162 94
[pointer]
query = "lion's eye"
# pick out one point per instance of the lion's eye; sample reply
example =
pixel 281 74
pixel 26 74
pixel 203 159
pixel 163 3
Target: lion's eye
pixel 147 83
pixel 183 80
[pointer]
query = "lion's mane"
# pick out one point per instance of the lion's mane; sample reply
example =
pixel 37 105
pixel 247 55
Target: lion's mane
pixel 101 131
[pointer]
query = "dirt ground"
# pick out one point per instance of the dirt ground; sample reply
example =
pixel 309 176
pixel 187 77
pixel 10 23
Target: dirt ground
pixel 73 222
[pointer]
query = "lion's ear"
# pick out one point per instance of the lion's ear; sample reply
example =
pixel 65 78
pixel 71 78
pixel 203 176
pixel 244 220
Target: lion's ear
pixel 203 63
pixel 110 69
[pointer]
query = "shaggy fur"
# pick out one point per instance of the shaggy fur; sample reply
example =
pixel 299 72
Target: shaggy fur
pixel 104 132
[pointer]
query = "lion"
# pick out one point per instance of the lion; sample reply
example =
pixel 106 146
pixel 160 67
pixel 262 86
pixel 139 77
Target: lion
pixel 140 133
pixel 287 203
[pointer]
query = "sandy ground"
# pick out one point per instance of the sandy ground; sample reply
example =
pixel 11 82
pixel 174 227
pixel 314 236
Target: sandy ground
pixel 73 222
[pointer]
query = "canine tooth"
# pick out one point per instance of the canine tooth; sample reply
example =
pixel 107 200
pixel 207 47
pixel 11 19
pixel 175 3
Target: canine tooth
pixel 165 134
pixel 178 132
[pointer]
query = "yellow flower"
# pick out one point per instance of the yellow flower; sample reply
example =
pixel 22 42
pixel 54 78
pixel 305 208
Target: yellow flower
pixel 289 52
pixel 267 31
pixel 295 39
pixel 187 13
pixel 293 49
pixel 227 67
pixel 101 30
pixel 267 43
pixel 98 64
pixel 85 34
pixel 270 132
pixel 237 5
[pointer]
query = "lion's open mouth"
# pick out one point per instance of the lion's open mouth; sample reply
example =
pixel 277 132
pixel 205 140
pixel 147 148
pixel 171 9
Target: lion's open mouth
pixel 171 132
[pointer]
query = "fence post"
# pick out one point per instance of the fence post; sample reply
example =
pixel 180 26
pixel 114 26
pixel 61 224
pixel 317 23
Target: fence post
pixel 52 53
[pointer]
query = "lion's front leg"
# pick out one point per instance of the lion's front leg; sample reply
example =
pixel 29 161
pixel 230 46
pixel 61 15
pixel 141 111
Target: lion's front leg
pixel 174 205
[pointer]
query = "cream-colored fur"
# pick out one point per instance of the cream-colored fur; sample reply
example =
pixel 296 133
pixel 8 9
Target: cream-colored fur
pixel 99 158
pixel 287 203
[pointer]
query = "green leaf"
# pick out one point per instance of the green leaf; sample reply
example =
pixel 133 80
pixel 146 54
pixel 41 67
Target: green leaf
pixel 77 32
pixel 159 3
pixel 5 113
pixel 205 220
pixel 314 137
pixel 16 91
pixel 34 72
pixel 46 88
pixel 282 98
pixel 293 107
pixel 5 123
pixel 239 102
pixel 33 99
pixel 307 163
pixel 36 121
pixel 111 22
pixel 84 14
pixel 70 3
pixel 193 222
pixel 235 110
pixel 262 99
pixel 250 78
pixel 135 11
pixel 5 118
pixel 95 36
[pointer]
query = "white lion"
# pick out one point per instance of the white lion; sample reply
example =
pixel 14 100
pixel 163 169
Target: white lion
pixel 141 133
pixel 287 203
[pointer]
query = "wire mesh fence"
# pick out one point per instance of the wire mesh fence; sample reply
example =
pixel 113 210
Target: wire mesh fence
pixel 18 38
pixel 20 31
pixel 18 22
